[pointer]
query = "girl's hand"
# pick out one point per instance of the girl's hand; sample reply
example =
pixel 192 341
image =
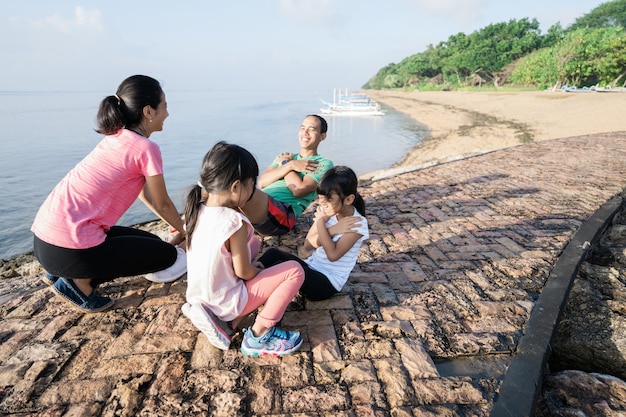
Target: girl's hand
pixel 320 215
pixel 346 224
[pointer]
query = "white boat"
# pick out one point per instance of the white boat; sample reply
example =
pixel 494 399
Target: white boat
pixel 348 104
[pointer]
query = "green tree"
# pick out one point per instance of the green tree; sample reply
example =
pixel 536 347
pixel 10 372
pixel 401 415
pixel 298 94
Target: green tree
pixel 584 58
pixel 495 46
pixel 577 55
pixel 611 13
pixel 554 34
pixel 451 57
pixel 377 82
pixel 539 69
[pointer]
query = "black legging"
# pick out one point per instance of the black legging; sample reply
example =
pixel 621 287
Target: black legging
pixel 126 251
pixel 316 285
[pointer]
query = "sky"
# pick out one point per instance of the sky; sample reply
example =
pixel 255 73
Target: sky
pixel 247 44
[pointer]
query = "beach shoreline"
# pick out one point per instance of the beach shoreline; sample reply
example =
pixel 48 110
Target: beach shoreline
pixel 465 124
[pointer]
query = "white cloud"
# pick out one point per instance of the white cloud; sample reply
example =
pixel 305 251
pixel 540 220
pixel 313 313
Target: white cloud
pixel 91 18
pixel 82 19
pixel 54 50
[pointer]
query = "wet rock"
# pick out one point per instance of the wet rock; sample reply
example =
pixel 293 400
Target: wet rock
pixel 21 265
pixel 589 348
pixel 592 333
pixel 577 393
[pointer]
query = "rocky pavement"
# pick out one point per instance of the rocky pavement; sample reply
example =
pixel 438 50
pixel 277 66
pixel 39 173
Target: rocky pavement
pixel 427 326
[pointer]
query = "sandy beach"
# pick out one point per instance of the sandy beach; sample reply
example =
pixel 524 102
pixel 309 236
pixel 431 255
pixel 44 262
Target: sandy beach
pixel 463 124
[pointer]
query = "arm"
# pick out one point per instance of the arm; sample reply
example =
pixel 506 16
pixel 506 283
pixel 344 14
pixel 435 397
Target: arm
pixel 300 187
pixel 311 241
pixel 334 250
pixel 345 225
pixel 154 196
pixel 238 244
pixel 288 170
pixel 273 174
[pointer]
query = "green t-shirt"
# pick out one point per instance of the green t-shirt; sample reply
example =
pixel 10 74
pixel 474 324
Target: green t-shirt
pixel 279 191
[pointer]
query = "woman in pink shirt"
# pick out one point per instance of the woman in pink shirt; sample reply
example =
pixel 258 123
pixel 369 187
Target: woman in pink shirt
pixel 76 239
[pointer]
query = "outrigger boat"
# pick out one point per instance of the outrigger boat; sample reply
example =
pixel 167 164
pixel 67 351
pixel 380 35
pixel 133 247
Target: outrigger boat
pixel 347 104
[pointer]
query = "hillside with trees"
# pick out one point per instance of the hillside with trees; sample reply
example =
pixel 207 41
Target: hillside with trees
pixel 590 52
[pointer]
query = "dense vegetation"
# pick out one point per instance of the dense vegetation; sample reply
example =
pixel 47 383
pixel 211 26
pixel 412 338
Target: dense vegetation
pixel 591 51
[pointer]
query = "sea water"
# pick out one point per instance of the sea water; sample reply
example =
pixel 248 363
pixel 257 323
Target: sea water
pixel 44 134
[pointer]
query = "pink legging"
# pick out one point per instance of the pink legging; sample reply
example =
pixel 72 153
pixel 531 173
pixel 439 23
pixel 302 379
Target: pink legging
pixel 273 288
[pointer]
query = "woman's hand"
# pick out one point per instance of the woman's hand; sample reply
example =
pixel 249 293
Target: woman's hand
pixel 177 238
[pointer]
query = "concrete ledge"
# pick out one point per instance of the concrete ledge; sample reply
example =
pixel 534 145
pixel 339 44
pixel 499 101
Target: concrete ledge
pixel 386 173
pixel 522 383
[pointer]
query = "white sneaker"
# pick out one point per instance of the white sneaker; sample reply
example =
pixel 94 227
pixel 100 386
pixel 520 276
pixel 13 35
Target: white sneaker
pixel 173 272
pixel 217 331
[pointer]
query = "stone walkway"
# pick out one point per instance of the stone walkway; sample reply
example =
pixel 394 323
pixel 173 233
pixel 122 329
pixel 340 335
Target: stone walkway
pixel 431 317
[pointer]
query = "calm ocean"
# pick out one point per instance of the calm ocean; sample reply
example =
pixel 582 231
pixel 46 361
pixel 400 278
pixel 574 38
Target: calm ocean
pixel 45 134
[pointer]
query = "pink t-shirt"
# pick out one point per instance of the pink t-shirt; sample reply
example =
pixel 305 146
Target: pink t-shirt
pixel 97 192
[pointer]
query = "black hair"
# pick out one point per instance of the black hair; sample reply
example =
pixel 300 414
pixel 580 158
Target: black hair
pixel 125 107
pixel 223 165
pixel 323 124
pixel 343 181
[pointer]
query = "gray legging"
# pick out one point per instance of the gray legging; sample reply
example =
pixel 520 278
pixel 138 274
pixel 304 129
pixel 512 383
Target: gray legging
pixel 125 251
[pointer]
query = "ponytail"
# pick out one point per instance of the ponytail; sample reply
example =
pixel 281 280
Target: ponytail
pixel 359 203
pixel 110 116
pixel 125 107
pixel 192 207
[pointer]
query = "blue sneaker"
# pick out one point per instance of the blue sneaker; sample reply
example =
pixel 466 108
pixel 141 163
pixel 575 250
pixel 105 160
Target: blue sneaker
pixel 274 341
pixel 70 293
pixel 216 330
pixel 49 279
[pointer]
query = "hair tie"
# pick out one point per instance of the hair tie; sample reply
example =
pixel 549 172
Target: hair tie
pixel 200 185
pixel 119 100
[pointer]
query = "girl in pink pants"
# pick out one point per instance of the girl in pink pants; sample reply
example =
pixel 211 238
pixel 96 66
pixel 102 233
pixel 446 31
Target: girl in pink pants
pixel 224 282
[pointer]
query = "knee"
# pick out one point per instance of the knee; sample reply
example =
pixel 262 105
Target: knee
pixel 297 272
